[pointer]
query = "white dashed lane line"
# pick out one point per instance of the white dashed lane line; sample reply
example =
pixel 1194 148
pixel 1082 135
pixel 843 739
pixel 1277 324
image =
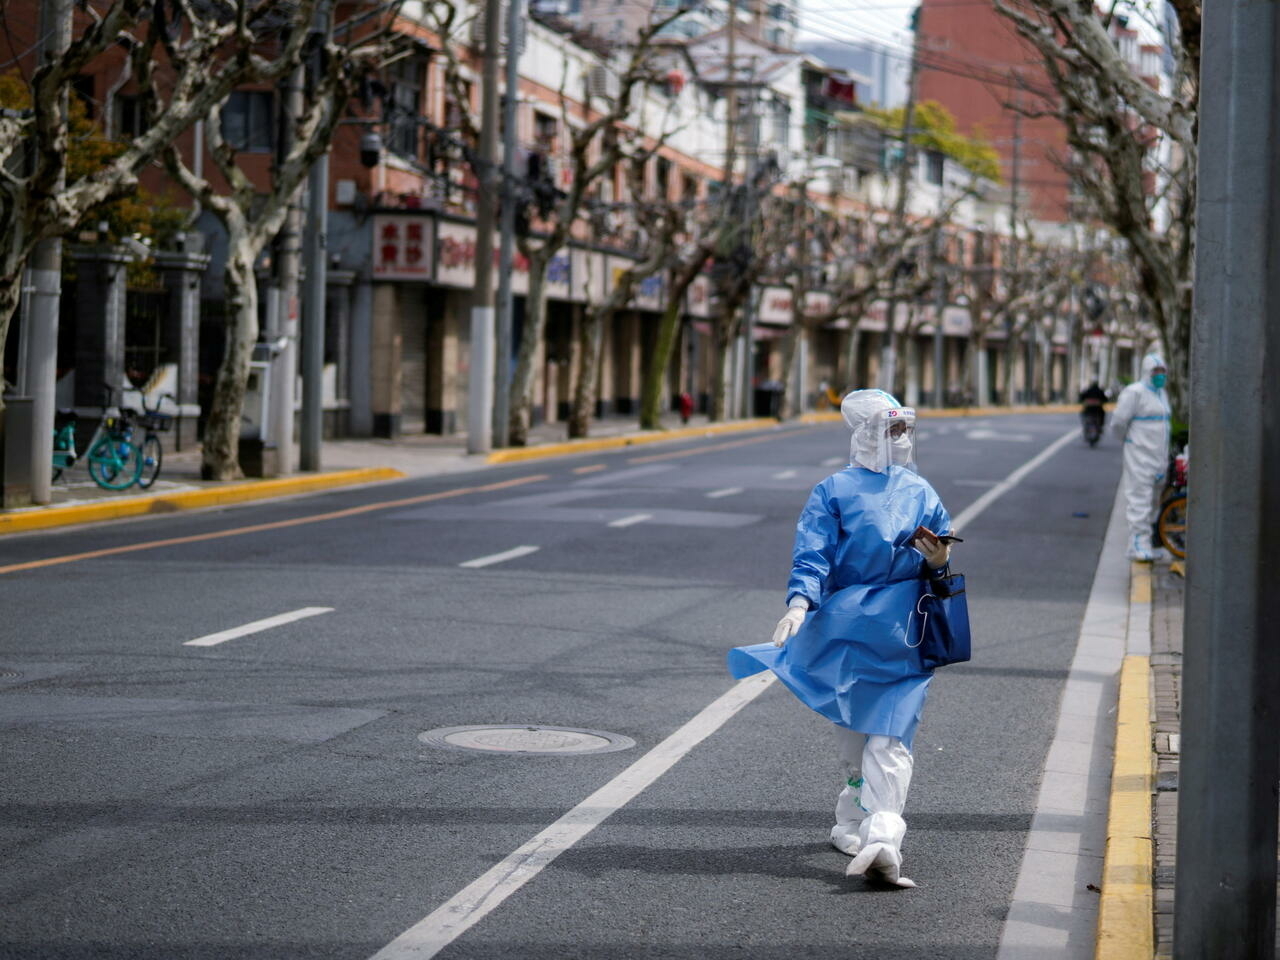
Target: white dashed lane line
pixel 213 639
pixel 784 475
pixel 632 520
pixel 493 558
pixel 726 492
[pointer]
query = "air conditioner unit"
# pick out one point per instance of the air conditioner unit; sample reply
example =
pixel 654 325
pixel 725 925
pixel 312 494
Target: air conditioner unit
pixel 600 81
pixel 477 31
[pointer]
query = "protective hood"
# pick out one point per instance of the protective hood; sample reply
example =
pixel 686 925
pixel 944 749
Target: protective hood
pixel 883 430
pixel 1150 362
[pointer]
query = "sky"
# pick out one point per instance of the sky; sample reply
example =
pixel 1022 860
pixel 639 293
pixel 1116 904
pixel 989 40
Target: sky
pixel 883 21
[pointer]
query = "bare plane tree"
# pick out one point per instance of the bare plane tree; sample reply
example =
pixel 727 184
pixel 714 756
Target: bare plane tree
pixel 1134 147
pixel 252 214
pixel 174 40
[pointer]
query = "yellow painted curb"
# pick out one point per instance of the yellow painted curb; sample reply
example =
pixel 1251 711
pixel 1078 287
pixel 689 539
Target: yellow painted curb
pixel 1125 913
pixel 39 518
pixel 834 416
pixel 1139 582
pixel 519 454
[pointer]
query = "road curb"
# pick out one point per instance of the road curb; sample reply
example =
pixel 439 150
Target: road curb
pixel 40 518
pixel 834 416
pixel 570 447
pixel 1126 909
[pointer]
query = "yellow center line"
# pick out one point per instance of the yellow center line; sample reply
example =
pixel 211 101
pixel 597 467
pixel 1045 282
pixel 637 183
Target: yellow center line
pixel 274 525
pixel 713 447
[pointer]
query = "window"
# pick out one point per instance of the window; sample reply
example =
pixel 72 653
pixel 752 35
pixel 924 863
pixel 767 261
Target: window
pixel 246 120
pixel 545 130
pixel 406 106
pixel 128 115
pixel 934 163
pixel 662 176
pixel 82 86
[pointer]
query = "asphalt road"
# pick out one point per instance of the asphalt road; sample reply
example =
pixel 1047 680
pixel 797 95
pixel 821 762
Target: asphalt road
pixel 269 796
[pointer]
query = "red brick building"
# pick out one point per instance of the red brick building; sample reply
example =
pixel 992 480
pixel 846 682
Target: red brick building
pixel 973 62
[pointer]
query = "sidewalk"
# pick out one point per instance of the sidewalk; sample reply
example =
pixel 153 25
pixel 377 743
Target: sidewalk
pixel 1166 680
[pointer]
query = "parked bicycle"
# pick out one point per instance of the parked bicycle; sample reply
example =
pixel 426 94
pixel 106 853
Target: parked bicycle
pixel 115 460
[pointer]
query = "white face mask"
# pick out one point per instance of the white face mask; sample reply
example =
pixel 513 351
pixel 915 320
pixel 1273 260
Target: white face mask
pixel 900 450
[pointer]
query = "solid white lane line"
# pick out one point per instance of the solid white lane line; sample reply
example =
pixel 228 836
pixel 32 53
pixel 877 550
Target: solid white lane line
pixel 446 923
pixel 784 475
pixel 726 492
pixel 499 557
pixel 633 519
pixel 967 515
pixel 214 639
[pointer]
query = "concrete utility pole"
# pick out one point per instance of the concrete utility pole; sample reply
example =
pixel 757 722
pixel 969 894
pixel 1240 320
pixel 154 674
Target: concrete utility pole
pixel 283 333
pixel 506 253
pixel 40 335
pixel 480 412
pixel 313 292
pixel 1225 904
pixel 889 351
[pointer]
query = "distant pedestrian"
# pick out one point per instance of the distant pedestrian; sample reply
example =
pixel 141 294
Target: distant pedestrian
pixel 844 646
pixel 1142 418
pixel 686 407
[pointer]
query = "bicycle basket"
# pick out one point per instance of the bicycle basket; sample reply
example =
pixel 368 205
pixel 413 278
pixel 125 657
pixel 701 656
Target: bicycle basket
pixel 156 421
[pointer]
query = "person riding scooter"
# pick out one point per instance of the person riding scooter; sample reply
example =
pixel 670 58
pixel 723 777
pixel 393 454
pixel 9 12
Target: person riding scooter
pixel 1092 414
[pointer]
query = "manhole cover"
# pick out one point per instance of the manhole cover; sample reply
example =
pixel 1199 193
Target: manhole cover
pixel 523 738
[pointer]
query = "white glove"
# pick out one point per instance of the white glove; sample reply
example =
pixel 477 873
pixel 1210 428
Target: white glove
pixel 791 621
pixel 936 552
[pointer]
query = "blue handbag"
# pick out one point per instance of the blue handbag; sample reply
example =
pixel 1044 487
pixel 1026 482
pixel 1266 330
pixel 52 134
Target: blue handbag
pixel 942 618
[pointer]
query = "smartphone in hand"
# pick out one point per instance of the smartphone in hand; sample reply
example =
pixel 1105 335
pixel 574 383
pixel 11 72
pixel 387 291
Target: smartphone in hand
pixel 931 538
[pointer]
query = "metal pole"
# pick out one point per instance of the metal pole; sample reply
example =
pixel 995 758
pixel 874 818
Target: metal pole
pixel 939 344
pixel 480 410
pixel 313 291
pixel 288 255
pixel 1225 900
pixel 45 271
pixel 506 254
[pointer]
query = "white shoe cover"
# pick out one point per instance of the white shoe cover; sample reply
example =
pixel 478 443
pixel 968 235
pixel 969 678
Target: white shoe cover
pixel 880 854
pixel 844 837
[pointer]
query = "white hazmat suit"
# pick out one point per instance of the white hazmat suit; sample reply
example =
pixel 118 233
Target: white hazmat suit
pixel 1142 418
pixel 856 568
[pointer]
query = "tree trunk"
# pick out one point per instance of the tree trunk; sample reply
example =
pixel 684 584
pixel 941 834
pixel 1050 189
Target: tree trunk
pixel 590 339
pixel 10 296
pixel 535 317
pixel 669 326
pixel 852 356
pixel 221 444
pixel 722 340
pixel 1008 388
pixel 977 368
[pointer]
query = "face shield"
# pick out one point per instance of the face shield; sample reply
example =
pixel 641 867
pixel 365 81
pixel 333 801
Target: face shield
pixel 883 431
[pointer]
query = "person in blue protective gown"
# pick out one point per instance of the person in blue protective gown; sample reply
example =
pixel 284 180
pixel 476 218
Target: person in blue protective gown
pixel 847 644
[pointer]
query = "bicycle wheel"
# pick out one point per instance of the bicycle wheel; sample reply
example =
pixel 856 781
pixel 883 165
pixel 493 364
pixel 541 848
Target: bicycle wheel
pixel 150 461
pixel 1172 525
pixel 114 463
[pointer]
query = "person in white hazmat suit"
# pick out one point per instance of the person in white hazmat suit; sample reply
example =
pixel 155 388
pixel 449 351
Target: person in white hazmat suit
pixel 1142 418
pixel 843 646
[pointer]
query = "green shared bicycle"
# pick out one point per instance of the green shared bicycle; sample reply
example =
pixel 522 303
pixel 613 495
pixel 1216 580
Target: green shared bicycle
pixel 115 460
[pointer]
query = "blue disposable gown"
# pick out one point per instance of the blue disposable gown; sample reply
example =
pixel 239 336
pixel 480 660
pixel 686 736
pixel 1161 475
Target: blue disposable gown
pixel 850 660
